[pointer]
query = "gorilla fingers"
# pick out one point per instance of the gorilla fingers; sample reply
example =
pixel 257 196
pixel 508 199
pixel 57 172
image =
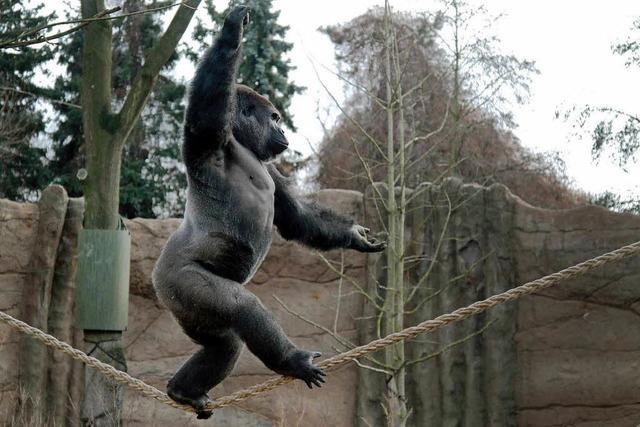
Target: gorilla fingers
pixel 299 364
pixel 363 243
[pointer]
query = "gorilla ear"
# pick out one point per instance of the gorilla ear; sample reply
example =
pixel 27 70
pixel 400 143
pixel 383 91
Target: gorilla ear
pixel 247 110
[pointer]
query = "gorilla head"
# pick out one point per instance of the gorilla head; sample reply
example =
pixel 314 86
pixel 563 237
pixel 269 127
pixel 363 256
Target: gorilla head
pixel 257 124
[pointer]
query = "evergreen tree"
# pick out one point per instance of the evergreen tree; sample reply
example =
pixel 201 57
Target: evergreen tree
pixel 67 138
pixel 264 67
pixel 21 122
pixel 152 180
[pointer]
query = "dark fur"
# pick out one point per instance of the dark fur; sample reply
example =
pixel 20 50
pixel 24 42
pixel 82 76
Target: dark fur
pixel 233 200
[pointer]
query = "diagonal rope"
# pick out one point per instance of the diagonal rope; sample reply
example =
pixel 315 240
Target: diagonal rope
pixel 104 368
pixel 438 322
pixel 339 359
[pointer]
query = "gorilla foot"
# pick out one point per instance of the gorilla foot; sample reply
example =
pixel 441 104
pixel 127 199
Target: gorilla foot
pixel 198 403
pixel 299 364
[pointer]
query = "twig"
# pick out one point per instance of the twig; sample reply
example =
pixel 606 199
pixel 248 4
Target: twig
pixel 341 340
pixel 54 101
pixel 7 44
pixel 349 279
pixel 450 345
pixel 339 296
pixel 100 16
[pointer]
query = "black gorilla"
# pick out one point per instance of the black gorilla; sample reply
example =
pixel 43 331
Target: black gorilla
pixel 234 198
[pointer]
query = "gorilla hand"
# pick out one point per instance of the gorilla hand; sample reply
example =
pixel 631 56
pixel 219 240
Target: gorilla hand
pixel 231 33
pixel 299 364
pixel 361 242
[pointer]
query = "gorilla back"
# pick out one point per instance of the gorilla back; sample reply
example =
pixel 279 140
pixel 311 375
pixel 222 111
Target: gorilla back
pixel 234 198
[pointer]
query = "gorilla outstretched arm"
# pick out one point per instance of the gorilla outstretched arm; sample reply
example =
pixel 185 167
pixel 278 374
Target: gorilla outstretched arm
pixel 212 96
pixel 314 225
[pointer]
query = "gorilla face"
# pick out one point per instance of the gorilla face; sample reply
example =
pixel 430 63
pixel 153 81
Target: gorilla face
pixel 257 124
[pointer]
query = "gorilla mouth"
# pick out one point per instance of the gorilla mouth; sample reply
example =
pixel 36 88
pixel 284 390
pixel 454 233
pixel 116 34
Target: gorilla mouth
pixel 279 146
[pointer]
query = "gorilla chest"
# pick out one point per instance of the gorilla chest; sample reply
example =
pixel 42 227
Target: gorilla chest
pixel 252 188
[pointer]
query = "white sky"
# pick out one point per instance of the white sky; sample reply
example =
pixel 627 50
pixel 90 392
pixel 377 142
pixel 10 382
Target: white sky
pixel 570 40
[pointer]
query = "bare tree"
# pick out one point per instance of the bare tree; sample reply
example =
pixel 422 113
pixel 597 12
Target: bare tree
pixel 415 103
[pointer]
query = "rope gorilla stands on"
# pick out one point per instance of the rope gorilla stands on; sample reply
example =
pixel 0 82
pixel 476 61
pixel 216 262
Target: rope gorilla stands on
pixel 339 359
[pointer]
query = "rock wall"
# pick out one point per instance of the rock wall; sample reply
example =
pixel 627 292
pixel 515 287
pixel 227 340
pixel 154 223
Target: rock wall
pixel 567 356
pixel 18 223
pixel 155 345
pixel 579 343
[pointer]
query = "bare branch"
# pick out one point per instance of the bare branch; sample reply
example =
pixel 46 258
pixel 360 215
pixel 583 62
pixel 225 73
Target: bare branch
pixel 370 137
pixel 340 339
pixel 101 16
pixel 435 256
pixel 349 279
pixel 339 295
pixel 154 61
pixel 358 86
pixel 450 345
pixel 53 101
pixel 13 43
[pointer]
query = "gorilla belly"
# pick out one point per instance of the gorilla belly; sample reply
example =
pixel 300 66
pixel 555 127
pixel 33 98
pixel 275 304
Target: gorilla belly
pixel 228 232
pixel 229 258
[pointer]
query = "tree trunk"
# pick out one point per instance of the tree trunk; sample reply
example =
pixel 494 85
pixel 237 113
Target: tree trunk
pixel 394 296
pixel 105 134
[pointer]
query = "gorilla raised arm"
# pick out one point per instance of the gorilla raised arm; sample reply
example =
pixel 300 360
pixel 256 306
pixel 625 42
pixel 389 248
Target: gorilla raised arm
pixel 234 197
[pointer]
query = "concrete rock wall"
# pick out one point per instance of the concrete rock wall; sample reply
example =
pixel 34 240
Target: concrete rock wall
pixel 568 356
pixel 18 223
pixel 155 345
pixel 579 343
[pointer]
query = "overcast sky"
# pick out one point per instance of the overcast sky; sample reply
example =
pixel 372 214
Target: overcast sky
pixel 570 40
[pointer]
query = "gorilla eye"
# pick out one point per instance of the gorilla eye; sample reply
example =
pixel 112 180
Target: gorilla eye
pixel 275 117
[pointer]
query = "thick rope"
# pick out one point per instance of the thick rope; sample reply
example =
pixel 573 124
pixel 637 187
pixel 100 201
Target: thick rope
pixel 438 322
pixel 105 369
pixel 337 360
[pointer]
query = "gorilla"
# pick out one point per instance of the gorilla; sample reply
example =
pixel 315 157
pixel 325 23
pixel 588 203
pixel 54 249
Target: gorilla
pixel 234 197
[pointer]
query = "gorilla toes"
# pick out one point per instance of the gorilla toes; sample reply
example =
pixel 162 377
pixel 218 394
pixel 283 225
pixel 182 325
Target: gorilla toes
pixel 204 415
pixel 300 365
pixel 198 403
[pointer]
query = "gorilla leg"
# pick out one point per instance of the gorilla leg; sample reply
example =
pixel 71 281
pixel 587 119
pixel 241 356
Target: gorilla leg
pixel 266 339
pixel 204 370
pixel 206 304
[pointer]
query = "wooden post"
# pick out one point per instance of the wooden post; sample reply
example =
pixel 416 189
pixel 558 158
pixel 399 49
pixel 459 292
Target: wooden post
pixel 36 296
pixel 59 401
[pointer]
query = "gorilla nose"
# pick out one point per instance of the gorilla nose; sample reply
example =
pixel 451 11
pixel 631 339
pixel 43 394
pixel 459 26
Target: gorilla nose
pixel 281 131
